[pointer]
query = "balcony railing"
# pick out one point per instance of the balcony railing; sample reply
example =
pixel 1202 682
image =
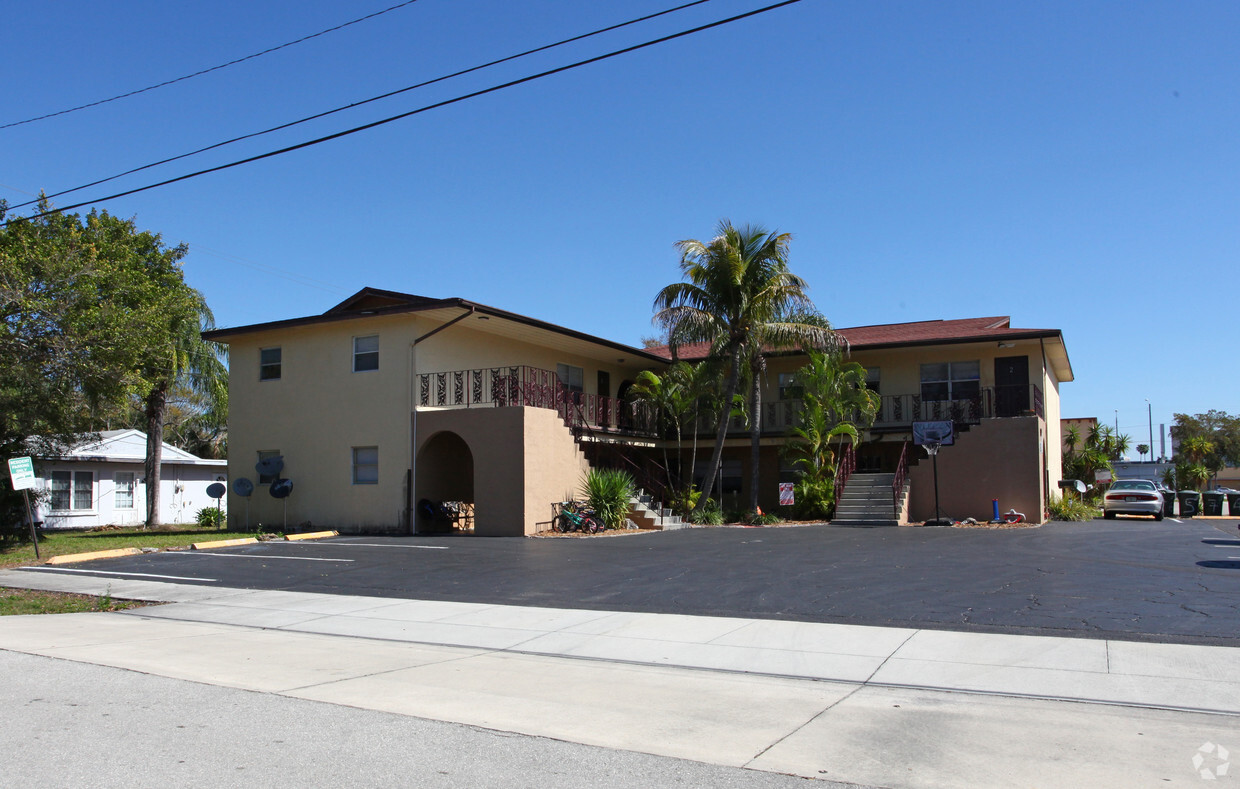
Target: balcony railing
pixel 901 411
pixel 522 385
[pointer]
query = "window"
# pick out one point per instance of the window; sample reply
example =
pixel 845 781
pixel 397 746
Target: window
pixel 872 379
pixel 269 364
pixel 788 388
pixel 951 381
pixel 365 465
pixel 263 454
pixel 73 491
pixel 124 490
pixel 365 353
pixel 572 377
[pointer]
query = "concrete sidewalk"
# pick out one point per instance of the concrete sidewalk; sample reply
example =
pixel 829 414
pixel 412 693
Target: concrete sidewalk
pixel 886 706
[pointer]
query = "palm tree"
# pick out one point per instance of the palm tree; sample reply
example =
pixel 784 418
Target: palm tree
pixel 186 360
pixel 661 394
pixel 739 297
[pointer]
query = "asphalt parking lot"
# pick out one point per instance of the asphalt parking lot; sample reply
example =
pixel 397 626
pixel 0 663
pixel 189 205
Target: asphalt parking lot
pixel 1128 579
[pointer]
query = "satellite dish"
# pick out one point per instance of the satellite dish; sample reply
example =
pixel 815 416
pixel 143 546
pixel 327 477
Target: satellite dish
pixel 216 490
pixel 270 466
pixel 241 486
pixel 281 488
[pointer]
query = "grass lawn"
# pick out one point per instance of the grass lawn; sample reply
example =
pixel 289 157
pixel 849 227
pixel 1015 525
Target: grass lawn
pixel 59 543
pixel 29 601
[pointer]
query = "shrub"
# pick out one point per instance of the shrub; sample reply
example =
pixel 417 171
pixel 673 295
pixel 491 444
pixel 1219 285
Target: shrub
pixel 609 490
pixel 1071 509
pixel 683 500
pixel 765 519
pixel 210 518
pixel 815 498
pixel 709 514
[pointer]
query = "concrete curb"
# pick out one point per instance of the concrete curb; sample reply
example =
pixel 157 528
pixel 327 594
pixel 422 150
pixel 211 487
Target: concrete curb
pixel 312 535
pixel 199 546
pixel 71 558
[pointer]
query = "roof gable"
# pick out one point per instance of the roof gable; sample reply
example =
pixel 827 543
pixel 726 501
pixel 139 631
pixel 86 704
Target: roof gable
pixel 371 299
pixel 130 446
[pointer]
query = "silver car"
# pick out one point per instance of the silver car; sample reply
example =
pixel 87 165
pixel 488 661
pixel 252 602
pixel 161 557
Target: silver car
pixel 1133 497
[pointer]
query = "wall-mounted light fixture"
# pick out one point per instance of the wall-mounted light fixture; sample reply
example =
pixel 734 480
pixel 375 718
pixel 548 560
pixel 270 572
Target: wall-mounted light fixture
pixel 1007 345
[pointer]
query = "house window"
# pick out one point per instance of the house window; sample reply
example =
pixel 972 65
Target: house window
pixel 872 379
pixel 73 491
pixel 951 381
pixel 365 465
pixel 263 454
pixel 573 378
pixel 365 353
pixel 788 388
pixel 269 364
pixel 124 490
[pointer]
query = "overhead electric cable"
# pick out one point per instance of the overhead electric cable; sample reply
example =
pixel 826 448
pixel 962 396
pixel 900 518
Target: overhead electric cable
pixel 437 105
pixel 213 68
pixel 367 101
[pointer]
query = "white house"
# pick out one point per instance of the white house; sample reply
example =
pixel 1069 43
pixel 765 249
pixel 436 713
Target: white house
pixel 102 483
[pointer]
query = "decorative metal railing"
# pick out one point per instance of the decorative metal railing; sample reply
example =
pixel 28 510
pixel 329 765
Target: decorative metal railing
pixel 522 385
pixel 901 410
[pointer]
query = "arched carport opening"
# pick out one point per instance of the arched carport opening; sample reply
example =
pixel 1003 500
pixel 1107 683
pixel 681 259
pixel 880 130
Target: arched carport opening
pixel 445 474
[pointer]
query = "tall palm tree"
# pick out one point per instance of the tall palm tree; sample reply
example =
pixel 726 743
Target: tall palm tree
pixel 187 360
pixel 739 297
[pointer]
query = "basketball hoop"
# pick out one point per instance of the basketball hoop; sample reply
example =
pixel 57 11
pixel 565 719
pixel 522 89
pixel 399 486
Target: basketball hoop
pixel 931 447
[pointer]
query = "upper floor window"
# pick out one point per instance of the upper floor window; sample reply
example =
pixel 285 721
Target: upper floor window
pixel 872 379
pixel 951 381
pixel 73 490
pixel 269 364
pixel 789 389
pixel 572 377
pixel 365 353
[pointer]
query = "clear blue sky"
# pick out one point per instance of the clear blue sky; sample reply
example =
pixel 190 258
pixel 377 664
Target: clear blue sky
pixel 1075 165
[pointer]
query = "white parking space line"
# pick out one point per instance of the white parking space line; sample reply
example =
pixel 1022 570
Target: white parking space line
pixel 1175 520
pixel 127 575
pixel 382 545
pixel 264 556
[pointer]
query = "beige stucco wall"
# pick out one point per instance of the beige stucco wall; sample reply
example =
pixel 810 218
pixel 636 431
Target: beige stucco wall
pixel 319 410
pixel 523 458
pixel 997 459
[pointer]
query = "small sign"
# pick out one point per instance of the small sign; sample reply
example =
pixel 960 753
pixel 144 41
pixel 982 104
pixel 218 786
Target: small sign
pixel 1102 475
pixel 786 497
pixel 21 470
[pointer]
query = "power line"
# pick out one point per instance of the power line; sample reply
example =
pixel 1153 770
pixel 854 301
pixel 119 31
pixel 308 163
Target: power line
pixel 366 101
pixel 213 68
pixel 426 108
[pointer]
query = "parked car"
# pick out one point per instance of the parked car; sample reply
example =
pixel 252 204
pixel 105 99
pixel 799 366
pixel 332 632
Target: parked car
pixel 1133 497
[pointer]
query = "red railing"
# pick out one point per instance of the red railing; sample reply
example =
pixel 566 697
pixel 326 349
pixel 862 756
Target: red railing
pixel 897 484
pixel 847 465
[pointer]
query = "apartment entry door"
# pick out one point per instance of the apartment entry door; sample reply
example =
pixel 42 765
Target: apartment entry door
pixel 1011 385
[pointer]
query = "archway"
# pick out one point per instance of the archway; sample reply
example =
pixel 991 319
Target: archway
pixel 445 474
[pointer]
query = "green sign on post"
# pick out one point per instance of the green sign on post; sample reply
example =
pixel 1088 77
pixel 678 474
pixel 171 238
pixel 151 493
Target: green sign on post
pixel 21 471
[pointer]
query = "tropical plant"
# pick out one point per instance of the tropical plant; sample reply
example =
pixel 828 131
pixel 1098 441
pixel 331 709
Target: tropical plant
pixel 1142 449
pixel 609 492
pixel 815 497
pixel 708 512
pixel 210 518
pixel 1071 509
pixel 186 359
pixel 738 297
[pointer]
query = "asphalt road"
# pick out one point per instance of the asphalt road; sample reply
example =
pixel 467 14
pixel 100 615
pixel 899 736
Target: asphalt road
pixel 1128 579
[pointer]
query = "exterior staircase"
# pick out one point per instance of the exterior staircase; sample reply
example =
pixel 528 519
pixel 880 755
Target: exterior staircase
pixel 650 514
pixel 867 501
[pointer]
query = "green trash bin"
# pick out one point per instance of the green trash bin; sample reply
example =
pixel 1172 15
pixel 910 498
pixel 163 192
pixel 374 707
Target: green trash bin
pixel 1211 503
pixel 1233 504
pixel 1190 503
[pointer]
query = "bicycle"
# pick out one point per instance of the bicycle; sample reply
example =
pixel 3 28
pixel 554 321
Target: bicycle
pixel 575 516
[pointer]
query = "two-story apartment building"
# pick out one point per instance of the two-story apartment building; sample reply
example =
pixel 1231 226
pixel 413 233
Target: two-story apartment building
pixel 388 399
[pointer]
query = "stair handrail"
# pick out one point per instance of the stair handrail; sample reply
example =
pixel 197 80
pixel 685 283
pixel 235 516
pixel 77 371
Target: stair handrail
pixel 848 464
pixel 897 484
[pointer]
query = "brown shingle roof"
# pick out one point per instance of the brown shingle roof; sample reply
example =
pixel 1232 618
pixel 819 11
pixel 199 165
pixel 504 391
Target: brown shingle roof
pixel 898 334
